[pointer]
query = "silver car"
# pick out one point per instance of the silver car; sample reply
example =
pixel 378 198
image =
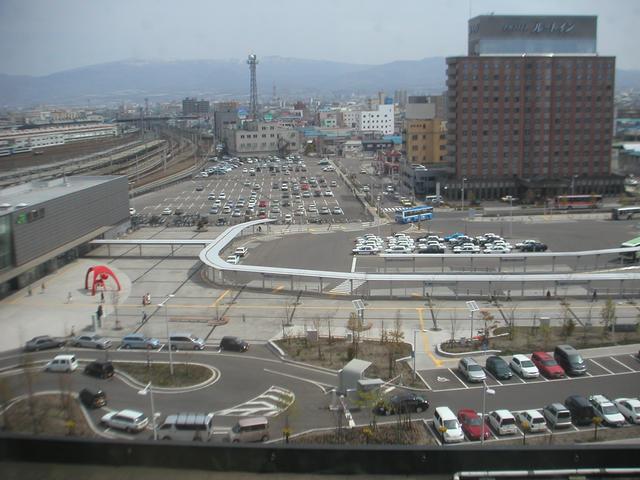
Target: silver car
pixel 471 370
pixel 91 341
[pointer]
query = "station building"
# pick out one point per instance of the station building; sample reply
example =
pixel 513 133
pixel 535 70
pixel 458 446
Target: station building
pixel 47 224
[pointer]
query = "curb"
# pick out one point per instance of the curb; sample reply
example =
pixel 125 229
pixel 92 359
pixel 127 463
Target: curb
pixel 135 383
pixel 283 357
pixel 441 352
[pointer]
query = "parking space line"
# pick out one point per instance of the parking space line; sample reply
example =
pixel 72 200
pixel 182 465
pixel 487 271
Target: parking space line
pixel 494 378
pixel 458 378
pixel 622 364
pixel 602 367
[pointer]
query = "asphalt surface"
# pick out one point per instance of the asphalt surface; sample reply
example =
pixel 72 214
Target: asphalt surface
pixel 238 184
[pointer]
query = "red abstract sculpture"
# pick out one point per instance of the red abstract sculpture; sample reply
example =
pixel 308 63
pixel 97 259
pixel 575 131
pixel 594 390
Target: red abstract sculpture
pixel 100 274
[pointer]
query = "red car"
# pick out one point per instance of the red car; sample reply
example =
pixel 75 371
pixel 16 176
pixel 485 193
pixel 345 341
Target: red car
pixel 547 365
pixel 472 424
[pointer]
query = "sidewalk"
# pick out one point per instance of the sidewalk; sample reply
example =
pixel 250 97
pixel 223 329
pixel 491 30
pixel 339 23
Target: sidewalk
pixel 48 312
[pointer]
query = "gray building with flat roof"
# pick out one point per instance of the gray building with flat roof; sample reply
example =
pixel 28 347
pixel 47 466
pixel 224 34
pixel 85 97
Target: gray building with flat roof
pixel 46 224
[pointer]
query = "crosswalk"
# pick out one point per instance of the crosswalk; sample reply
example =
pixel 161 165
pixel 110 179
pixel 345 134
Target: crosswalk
pixel 344 288
pixel 393 209
pixel 268 404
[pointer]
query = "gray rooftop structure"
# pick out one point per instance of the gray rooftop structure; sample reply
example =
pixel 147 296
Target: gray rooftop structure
pixel 41 191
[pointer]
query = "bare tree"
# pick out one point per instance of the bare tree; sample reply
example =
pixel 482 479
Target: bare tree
pixel 356 326
pixel 396 337
pixel 608 315
pixel 29 378
pixel 316 325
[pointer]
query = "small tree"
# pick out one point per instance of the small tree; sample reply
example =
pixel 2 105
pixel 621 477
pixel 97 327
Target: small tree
pixel 608 316
pixel 545 333
pixel 356 325
pixel 396 337
pixel 568 327
pixel 316 325
pixel 367 400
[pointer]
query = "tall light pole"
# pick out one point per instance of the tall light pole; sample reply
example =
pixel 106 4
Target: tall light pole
pixel 144 391
pixel 510 216
pixel 166 318
pixel 485 391
pixel 462 196
pixel 414 352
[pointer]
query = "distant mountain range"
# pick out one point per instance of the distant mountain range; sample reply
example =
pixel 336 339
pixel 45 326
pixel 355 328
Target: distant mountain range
pixel 133 80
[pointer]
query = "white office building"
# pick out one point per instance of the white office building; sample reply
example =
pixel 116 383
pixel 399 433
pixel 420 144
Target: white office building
pixel 380 120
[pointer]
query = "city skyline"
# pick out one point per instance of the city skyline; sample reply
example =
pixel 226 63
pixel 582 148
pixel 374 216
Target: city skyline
pixel 39 37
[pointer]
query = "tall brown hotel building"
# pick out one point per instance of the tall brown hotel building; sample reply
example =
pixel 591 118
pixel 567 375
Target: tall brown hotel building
pixel 530 109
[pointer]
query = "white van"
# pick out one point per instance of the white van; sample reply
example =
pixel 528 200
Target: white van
pixel 446 423
pixel 250 430
pixel 62 363
pixel 503 422
pixel 187 426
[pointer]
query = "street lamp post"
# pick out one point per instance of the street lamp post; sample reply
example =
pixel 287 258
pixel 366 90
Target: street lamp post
pixel 144 391
pixel 510 216
pixel 462 196
pixel 485 391
pixel 166 318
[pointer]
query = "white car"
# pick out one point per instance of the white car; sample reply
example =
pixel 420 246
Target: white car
pixel 466 249
pixel 533 420
pixel 233 259
pixel 211 196
pixel 523 366
pixel 245 170
pixel 605 409
pixel 328 193
pixel 222 195
pixel 132 211
pixel 127 420
pixel 167 211
pixel 503 422
pixel 629 408
pixel 496 249
pixel 337 211
pixel 398 249
pixel 288 217
pixel 365 250
pixel 236 213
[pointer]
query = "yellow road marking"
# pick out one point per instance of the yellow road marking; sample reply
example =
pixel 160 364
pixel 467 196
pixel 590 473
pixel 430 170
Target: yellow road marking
pixel 219 299
pixel 425 340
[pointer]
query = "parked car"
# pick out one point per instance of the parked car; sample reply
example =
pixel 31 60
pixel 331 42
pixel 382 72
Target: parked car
pixel 582 412
pixel 92 398
pixel 472 424
pixel 249 430
pixel 547 365
pixel 535 247
pixel 186 341
pixel 130 421
pixel 241 251
pixel 91 341
pixel 503 422
pixel 557 415
pixel 498 367
pixel 532 420
pixel 446 423
pixel 523 366
pixel 233 344
pixel 365 250
pixel 402 403
pixel 167 211
pixel 233 259
pixel 629 408
pixel 100 368
pixel 471 370
pixel 605 409
pixel 43 342
pixel 137 340
pixel 570 360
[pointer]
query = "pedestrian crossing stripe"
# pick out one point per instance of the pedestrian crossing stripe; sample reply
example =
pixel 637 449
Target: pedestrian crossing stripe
pixel 393 209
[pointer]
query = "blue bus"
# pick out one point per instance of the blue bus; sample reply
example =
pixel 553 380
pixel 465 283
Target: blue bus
pixel 414 214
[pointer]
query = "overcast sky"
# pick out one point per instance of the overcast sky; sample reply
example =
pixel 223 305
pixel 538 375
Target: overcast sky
pixel 39 37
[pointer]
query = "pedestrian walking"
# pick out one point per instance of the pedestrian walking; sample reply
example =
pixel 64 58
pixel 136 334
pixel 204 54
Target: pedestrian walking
pixel 594 297
pixel 144 317
pixel 99 313
pixel 29 291
pixel 101 297
pixel 69 297
pixel 42 288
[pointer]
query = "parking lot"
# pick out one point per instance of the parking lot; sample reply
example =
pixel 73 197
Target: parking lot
pixel 287 195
